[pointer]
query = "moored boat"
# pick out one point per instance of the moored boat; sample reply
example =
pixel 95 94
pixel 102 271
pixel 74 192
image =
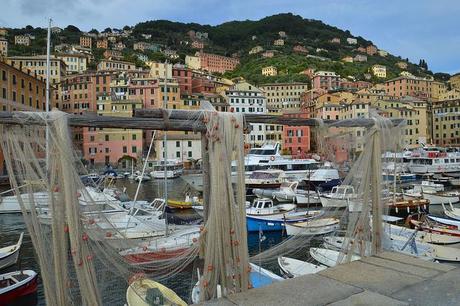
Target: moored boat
pixel 313 227
pixel 293 267
pixel 146 292
pixel 9 255
pixel 14 285
pixel 330 258
pixel 340 197
pixel 438 198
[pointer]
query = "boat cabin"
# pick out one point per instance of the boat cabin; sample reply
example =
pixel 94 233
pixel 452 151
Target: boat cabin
pixel 262 204
pixel 343 191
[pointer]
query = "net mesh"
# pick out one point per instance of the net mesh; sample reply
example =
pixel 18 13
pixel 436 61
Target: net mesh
pixel 90 248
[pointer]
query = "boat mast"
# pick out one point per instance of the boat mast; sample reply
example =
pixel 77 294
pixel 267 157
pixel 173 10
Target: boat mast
pixel 165 145
pixel 47 101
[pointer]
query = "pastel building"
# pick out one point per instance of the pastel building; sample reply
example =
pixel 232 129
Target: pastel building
pixel 269 71
pixel 183 75
pixel 409 86
pixel 296 139
pixel 217 63
pixel 327 80
pixel 108 146
pixel 37 64
pixel 86 41
pixel 379 71
pixel 102 44
pixel 284 96
pixel 22 40
pixel 446 122
pixel 3 47
pixel 243 97
pixel 114 65
pixel 76 63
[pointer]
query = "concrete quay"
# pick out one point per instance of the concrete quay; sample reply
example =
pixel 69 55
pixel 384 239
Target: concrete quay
pixel 386 279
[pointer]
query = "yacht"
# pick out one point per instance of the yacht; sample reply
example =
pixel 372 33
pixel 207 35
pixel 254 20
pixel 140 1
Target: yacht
pixel 266 157
pixel 434 160
pixel 174 168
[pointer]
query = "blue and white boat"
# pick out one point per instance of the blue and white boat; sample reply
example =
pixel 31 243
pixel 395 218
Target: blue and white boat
pixel 262 215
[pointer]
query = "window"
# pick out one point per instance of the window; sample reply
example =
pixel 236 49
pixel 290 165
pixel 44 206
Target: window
pixel 125 149
pixel 189 144
pixel 134 136
pixel 177 144
pixel 134 149
pixel 178 154
pixel 106 150
pixel 107 137
pixel 91 138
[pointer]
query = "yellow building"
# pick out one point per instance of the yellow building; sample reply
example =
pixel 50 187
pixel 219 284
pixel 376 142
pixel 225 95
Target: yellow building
pixel 415 113
pixel 112 65
pixel 278 42
pixel 76 63
pixel 3 47
pixel 354 110
pixel 379 71
pixel 256 49
pixel 446 122
pixel 347 59
pixel 37 64
pixel 437 90
pixel 453 94
pixel 284 96
pixel 455 81
pixel 158 69
pixel 22 40
pixel 269 71
pixel 193 62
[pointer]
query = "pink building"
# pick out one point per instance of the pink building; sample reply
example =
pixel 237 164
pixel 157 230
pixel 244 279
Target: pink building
pixel 183 75
pixel 296 139
pixel 143 89
pixel 326 80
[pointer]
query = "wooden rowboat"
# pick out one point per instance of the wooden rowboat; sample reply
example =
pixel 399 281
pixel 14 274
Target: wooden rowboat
pixel 145 292
pixel 9 255
pixel 16 284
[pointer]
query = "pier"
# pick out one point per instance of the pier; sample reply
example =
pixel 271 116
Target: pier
pixel 387 278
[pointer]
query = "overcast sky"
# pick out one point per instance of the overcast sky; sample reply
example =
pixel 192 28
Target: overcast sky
pixel 415 29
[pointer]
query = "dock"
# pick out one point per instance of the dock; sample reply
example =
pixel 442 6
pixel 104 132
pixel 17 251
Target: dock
pixel 385 279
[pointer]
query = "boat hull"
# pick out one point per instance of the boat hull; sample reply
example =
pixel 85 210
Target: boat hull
pixel 436 199
pixel 315 227
pixel 8 296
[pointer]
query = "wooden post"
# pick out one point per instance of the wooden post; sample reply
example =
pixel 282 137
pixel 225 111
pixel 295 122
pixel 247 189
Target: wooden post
pixel 376 177
pixel 206 175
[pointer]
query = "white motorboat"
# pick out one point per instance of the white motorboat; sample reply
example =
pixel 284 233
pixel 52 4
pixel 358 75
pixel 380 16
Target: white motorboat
pixel 307 197
pixel 265 207
pixel 434 160
pixel 10 204
pixel 330 258
pixel 340 196
pixel 265 179
pixel 264 158
pixel 174 168
pixel 438 198
pixel 293 267
pixel 9 255
pixel 313 227
pixel 427 186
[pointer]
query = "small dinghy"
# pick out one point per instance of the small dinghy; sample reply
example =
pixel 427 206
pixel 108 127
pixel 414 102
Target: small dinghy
pixel 14 285
pixel 146 292
pixel 9 255
pixel 330 258
pixel 313 227
pixel 438 233
pixel 293 267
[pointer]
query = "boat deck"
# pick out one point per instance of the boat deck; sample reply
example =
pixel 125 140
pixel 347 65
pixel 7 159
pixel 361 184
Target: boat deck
pixel 385 279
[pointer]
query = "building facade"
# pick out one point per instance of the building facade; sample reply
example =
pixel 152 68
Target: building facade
pixel 22 40
pixel 217 63
pixel 284 96
pixel 269 71
pixel 326 80
pixel 76 63
pixel 3 47
pixel 37 64
pixel 86 41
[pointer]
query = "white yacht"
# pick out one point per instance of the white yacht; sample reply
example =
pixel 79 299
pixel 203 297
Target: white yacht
pixel 266 157
pixel 174 168
pixel 434 160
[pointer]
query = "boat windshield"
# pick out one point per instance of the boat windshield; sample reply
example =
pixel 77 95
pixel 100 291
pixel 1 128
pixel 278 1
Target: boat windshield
pixel 265 175
pixel 262 151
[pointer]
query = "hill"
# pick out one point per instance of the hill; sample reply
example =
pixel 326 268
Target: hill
pixel 237 38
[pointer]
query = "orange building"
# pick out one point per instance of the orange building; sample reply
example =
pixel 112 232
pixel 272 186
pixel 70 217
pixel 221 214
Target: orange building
pixel 86 41
pixel 102 44
pixel 217 63
pixel 409 86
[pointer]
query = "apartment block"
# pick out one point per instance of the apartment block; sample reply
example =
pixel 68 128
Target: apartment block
pixel 37 64
pixel 216 63
pixel 113 65
pixel 22 40
pixel 158 69
pixel 327 80
pixel 183 75
pixel 86 41
pixel 284 97
pixel 409 86
pixel 455 81
pixel 379 71
pixel 269 71
pixel 3 47
pixel 76 63
pixel 446 122
pixel 102 44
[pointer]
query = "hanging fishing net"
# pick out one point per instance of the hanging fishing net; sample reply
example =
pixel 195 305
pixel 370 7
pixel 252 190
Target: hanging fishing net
pixel 90 248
